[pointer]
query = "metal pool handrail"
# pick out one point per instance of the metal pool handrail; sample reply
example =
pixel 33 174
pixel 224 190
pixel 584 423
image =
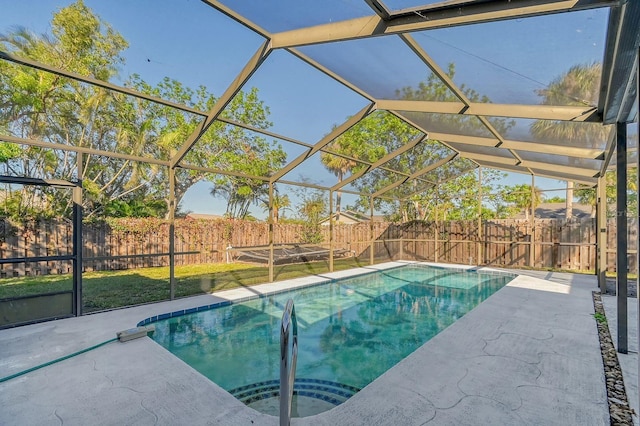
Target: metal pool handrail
pixel 289 329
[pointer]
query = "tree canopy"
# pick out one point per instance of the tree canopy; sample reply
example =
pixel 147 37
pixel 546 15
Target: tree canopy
pixel 40 105
pixel 381 133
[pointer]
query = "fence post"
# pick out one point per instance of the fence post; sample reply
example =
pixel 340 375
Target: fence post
pixel 330 231
pixel 436 234
pixel 372 242
pixel 401 241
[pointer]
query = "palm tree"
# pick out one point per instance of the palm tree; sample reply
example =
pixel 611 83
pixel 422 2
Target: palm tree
pixel 280 203
pixel 340 167
pixel 519 196
pixel 579 86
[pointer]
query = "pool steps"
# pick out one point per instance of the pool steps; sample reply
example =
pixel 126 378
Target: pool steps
pixel 325 390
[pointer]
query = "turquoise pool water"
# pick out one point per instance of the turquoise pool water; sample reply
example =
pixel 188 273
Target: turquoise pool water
pixel 350 331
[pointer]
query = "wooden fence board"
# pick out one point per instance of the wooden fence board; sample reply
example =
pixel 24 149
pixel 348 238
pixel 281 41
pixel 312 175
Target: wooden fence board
pixel 556 243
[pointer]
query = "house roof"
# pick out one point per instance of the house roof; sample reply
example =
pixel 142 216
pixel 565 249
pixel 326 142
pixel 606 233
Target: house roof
pixel 356 217
pixel 558 211
pixel 204 216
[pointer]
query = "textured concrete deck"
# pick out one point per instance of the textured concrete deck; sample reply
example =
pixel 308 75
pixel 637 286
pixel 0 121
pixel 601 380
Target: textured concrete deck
pixel 527 355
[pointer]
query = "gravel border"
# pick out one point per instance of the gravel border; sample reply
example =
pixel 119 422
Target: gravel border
pixel 619 411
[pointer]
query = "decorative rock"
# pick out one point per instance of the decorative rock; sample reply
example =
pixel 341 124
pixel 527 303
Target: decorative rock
pixel 619 411
pixel 617 401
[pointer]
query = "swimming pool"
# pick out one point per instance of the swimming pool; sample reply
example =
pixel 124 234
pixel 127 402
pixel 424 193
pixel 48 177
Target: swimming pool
pixel 350 332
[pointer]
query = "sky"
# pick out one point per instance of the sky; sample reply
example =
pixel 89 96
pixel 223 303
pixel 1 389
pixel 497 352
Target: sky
pixel 189 41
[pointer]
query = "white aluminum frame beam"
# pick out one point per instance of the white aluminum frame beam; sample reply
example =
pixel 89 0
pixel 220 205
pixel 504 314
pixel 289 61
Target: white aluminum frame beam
pixel 81 149
pixel 437 184
pixel 416 174
pixel 93 81
pixel 538 112
pixel 251 67
pixel 352 121
pixel 538 147
pixel 576 171
pixel 237 17
pixel 423 19
pixel 390 156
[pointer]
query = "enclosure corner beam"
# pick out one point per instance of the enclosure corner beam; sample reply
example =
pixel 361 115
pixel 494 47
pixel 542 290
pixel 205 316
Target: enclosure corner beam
pixel 638 189
pixel 601 233
pixel 621 235
pixel 271 272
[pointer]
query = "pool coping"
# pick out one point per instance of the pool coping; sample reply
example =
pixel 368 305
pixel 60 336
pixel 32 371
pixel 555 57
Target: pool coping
pixel 403 394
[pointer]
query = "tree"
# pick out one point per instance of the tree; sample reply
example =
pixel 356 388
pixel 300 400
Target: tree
pixel 580 86
pixel 280 204
pixel 359 143
pixel 556 199
pixel 518 197
pixel 312 208
pixel 9 151
pixel 40 105
pixel 381 133
pixel 589 196
pixel 222 147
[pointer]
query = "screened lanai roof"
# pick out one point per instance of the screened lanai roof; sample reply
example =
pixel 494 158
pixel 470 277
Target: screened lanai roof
pixel 495 63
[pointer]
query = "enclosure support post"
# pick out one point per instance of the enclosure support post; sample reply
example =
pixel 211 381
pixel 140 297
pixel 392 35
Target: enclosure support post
pixel 601 233
pixel 271 274
pixel 77 239
pixel 172 233
pixel 330 231
pixel 532 234
pixel 436 234
pixel 638 189
pixel 372 243
pixel 480 260
pixel 621 234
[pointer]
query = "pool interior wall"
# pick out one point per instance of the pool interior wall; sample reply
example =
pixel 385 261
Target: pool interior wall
pixel 350 331
pixel 528 354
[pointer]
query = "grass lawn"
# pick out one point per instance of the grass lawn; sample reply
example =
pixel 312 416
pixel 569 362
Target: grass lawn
pixel 113 289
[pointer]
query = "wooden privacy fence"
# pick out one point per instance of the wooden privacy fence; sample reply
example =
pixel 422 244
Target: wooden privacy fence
pixel 140 243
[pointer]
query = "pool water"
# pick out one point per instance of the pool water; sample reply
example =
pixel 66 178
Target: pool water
pixel 350 331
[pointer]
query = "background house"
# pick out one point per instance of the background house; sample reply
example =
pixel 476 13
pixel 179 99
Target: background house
pixel 203 216
pixel 558 210
pixel 351 217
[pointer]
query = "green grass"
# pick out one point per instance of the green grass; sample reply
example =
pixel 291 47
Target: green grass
pixel 600 318
pixel 113 289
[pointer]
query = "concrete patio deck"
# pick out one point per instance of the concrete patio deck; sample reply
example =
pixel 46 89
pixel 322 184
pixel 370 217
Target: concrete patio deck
pixel 527 355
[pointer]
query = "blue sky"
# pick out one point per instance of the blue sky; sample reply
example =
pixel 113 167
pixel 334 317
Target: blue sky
pixel 189 41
